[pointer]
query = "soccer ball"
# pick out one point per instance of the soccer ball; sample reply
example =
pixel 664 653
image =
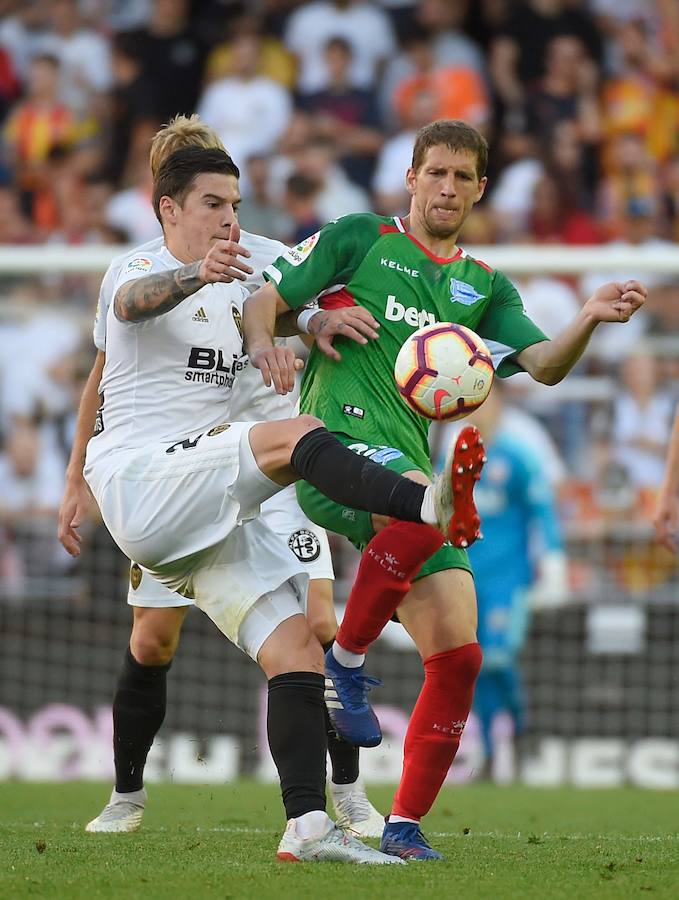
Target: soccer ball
pixel 444 371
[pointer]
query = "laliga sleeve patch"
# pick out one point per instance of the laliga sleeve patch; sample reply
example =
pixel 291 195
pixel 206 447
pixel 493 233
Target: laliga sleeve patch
pixel 139 264
pixel 296 255
pixel 305 545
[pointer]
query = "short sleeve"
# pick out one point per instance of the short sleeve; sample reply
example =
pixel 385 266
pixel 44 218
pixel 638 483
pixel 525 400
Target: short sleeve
pixel 325 260
pixel 506 327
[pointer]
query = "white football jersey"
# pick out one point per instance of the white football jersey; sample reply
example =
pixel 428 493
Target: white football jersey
pixel 168 377
pixel 251 401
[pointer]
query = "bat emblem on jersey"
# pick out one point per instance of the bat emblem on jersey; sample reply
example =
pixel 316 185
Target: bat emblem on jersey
pixel 237 319
pixel 461 292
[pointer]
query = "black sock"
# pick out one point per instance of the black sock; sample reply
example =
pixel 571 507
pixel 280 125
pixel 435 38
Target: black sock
pixel 354 480
pixel 343 756
pixel 138 712
pixel 296 731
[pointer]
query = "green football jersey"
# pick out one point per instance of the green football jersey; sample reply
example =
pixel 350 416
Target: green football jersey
pixel 374 262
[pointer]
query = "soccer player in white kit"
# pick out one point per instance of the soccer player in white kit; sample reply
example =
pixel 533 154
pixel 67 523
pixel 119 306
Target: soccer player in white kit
pixel 179 486
pixel 139 703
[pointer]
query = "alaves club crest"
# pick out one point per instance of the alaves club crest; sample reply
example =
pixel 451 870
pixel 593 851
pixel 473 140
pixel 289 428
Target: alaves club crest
pixel 461 292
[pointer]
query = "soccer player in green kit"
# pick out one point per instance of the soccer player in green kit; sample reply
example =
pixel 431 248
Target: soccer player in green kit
pixel 407 273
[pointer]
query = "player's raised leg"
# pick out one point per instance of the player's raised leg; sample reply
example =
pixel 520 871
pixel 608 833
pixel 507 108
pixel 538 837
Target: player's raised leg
pixel 290 449
pixel 440 615
pixel 139 705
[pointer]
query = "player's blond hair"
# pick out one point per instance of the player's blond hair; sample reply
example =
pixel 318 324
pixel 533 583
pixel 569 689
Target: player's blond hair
pixel 181 132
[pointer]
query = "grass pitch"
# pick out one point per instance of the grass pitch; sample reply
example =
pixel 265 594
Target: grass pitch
pixel 219 842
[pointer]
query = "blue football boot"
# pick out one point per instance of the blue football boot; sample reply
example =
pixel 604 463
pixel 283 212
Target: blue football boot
pixel 405 839
pixel 346 698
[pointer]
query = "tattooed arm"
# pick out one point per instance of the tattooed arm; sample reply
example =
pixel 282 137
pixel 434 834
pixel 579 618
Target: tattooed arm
pixel 153 295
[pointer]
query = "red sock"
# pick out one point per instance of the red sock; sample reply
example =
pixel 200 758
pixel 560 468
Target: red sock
pixel 388 565
pixel 435 728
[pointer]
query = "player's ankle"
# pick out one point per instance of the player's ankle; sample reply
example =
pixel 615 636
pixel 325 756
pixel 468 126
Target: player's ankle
pixel 394 818
pixel 346 658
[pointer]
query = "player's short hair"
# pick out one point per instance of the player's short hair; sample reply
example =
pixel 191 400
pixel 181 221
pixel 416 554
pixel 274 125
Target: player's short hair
pixel 455 134
pixel 180 132
pixel 178 172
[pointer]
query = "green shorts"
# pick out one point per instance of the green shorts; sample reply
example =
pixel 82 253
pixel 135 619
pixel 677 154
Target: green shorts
pixel 356 524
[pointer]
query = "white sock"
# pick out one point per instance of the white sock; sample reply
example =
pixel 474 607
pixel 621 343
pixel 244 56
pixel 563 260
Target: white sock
pixel 346 788
pixel 138 797
pixel 346 657
pixel 428 513
pixel 393 819
pixel 313 824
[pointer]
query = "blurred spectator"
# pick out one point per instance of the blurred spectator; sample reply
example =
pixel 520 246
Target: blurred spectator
pixel 457 91
pixel 173 58
pixel 555 218
pixel 641 98
pixel 566 91
pixel 510 197
pixel 274 60
pixel 14 226
pixel 300 201
pixel 117 15
pixel 396 156
pixel 517 54
pixel 130 211
pixel 520 564
pixel 258 211
pixel 346 114
pixel 630 181
pixel 9 84
pixel 366 27
pixel 642 421
pixel 21 35
pixel 249 112
pixel 36 127
pixel 134 108
pixel 440 22
pixel 84 56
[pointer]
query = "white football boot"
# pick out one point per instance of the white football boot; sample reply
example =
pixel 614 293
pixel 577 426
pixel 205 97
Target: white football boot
pixel 355 814
pixel 122 813
pixel 328 844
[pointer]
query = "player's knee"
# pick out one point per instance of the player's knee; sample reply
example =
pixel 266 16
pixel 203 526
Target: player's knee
pixel 299 427
pixel 153 648
pixel 323 624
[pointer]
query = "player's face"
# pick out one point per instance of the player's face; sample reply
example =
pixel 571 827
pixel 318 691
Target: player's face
pixel 444 189
pixel 208 212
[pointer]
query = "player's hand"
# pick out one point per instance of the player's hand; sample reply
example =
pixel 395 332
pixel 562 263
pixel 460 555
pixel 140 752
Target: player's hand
pixel 278 365
pixel 666 520
pixel 222 263
pixel 353 322
pixel 616 301
pixel 74 508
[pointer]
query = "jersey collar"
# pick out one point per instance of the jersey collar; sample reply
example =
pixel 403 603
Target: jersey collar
pixel 441 260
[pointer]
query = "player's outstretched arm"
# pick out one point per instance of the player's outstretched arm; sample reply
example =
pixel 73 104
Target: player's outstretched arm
pixel 77 498
pixel 153 295
pixel 666 516
pixel 550 361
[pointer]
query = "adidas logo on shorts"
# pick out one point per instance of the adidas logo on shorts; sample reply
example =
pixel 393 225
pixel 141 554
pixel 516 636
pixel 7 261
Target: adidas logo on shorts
pixel 200 316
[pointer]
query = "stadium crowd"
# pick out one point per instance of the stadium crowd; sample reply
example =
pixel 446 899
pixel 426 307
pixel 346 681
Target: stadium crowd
pixel 318 103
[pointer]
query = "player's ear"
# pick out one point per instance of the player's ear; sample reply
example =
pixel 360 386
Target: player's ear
pixel 482 187
pixel 411 178
pixel 168 209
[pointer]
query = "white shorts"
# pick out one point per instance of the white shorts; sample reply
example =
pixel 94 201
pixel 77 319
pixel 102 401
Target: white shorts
pixel 189 517
pixel 283 514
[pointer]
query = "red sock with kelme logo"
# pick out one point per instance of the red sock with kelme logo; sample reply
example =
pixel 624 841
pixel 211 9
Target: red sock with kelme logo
pixel 436 727
pixel 388 565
